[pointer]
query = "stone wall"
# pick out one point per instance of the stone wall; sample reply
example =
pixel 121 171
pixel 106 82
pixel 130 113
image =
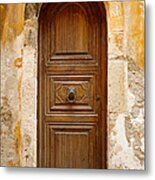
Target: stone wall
pixel 11 82
pixel 19 59
pixel 126 85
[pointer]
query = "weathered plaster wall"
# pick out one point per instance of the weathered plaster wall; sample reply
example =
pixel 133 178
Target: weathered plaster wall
pixel 19 49
pixel 11 35
pixel 29 94
pixel 134 31
pixel 126 85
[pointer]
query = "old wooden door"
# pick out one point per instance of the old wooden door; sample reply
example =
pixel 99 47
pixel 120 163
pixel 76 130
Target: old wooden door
pixel 72 86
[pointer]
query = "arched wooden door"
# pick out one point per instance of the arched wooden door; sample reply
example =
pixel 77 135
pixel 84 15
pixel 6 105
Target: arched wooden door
pixel 72 80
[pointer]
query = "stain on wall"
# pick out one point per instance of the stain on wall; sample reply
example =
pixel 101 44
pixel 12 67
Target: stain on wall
pixel 126 85
pixel 3 13
pixel 18 140
pixel 12 21
pixel 11 41
pixel 134 31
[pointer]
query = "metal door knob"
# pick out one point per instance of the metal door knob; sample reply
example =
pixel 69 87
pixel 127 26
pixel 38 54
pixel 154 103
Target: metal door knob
pixel 71 95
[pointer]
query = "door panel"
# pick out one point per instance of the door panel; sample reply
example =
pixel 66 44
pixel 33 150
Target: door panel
pixel 71 146
pixel 57 90
pixel 72 38
pixel 71 34
pixel 72 86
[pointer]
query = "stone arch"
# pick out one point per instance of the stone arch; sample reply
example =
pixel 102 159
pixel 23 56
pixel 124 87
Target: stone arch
pixel 48 14
pixel 31 16
pixel 33 10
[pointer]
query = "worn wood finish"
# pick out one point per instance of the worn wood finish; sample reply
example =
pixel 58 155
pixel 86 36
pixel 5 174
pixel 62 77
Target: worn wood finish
pixel 72 91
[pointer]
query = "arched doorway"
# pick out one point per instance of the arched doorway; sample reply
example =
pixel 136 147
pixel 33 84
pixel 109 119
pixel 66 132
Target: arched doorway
pixel 72 91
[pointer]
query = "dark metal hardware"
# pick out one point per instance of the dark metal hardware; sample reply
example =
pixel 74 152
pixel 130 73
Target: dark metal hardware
pixel 71 95
pixel 97 98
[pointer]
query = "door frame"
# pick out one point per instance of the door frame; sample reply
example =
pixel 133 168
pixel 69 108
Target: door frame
pixel 104 85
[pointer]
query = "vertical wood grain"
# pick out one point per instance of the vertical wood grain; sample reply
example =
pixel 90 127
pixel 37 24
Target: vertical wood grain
pixel 72 54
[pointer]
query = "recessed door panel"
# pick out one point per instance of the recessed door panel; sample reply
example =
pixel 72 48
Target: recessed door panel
pixel 58 93
pixel 72 85
pixel 71 30
pixel 72 146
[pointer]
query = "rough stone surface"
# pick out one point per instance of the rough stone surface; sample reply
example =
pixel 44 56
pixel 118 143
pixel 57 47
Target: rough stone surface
pixel 115 49
pixel 19 60
pixel 117 86
pixel 11 112
pixel 31 10
pixel 29 94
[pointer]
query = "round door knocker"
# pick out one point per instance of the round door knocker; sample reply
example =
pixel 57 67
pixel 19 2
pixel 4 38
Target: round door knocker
pixel 71 95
